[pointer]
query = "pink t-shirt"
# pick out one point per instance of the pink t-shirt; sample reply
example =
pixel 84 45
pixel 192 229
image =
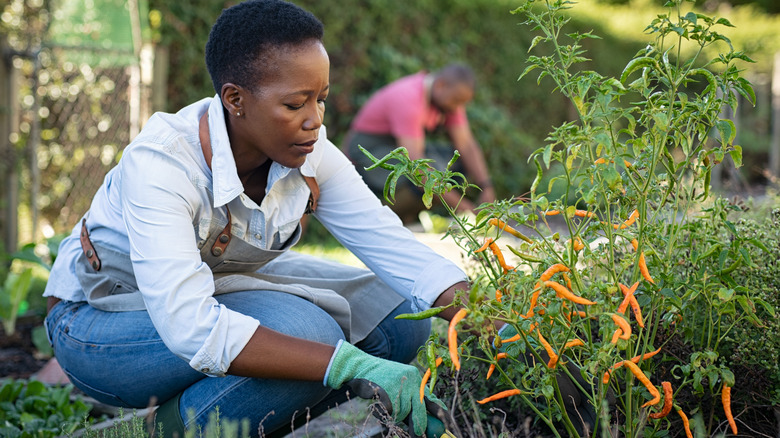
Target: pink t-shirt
pixel 400 109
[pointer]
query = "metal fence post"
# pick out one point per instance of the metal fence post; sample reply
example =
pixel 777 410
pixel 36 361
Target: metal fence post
pixel 9 189
pixel 774 148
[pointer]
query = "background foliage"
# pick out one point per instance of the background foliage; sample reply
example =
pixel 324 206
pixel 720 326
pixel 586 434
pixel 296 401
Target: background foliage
pixel 372 42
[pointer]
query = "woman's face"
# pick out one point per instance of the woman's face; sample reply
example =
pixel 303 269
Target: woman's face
pixel 281 119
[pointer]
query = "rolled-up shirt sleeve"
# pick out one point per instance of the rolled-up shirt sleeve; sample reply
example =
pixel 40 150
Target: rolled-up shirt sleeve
pixel 356 217
pixel 159 207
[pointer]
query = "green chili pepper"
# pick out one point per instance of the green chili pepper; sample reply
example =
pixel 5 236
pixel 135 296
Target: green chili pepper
pixel 707 179
pixel 538 178
pixel 731 268
pixel 380 162
pixel 524 256
pixel 431 350
pixel 421 315
pixel 710 252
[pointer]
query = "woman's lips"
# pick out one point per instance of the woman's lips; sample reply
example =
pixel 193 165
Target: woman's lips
pixel 307 147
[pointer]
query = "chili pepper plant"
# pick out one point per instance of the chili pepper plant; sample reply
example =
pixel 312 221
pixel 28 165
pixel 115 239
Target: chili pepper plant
pixel 585 268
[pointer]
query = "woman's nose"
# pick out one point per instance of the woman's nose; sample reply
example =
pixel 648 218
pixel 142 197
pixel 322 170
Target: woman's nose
pixel 314 119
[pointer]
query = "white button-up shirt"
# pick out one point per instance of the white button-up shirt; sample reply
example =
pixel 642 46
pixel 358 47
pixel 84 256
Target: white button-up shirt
pixel 157 205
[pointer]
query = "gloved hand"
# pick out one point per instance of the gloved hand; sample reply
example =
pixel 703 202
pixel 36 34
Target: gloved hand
pixel 396 385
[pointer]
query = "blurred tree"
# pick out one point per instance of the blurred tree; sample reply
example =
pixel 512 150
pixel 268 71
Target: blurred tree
pixel 770 6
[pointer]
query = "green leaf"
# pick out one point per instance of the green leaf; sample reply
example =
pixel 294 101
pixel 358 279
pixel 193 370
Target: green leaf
pixel 736 155
pixel 548 391
pixel 727 376
pixel 749 310
pixel 725 294
pixel 547 155
pixel 759 244
pixel 767 307
pixel 727 131
pixel 744 88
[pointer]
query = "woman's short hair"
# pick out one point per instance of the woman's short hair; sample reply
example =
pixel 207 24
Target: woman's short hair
pixel 245 35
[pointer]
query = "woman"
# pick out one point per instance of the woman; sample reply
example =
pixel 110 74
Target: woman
pixel 178 288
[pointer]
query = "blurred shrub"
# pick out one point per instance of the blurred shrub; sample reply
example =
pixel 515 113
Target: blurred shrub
pixel 372 42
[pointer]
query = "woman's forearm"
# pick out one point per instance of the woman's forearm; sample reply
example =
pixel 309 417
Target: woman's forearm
pixel 274 355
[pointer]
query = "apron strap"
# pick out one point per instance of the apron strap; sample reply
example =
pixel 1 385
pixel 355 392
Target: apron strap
pixel 86 246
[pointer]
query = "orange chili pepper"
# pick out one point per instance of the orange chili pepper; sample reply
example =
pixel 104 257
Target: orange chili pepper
pixel 574 343
pixel 643 268
pixel 668 394
pixel 452 337
pixel 514 338
pixel 635 359
pixel 485 245
pixel 552 213
pixel 634 215
pixel 686 423
pixel 626 163
pixel 534 298
pixel 577 244
pixel 630 299
pixel 725 398
pixel 550 352
pixel 425 378
pixel 504 226
pixel 642 263
pixel 618 333
pixel 568 280
pixel 563 292
pixel 583 213
pixel 499 295
pixel 640 375
pixel 500 395
pixel 600 161
pixel 625 327
pixel 493 365
pixel 497 252
pixel 552 270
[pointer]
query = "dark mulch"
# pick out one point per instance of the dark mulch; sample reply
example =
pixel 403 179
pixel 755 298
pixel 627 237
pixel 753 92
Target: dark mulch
pixel 19 358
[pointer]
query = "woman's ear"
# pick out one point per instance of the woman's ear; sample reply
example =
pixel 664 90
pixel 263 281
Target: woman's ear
pixel 232 99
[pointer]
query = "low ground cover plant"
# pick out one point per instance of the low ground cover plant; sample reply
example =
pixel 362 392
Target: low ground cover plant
pixel 621 278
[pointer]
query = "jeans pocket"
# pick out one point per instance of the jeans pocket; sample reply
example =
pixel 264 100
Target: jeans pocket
pixel 101 396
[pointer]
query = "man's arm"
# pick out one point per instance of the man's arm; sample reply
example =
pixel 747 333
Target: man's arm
pixel 473 160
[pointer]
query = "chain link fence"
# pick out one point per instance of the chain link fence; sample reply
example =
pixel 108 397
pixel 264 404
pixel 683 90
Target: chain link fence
pixel 78 89
pixel 74 121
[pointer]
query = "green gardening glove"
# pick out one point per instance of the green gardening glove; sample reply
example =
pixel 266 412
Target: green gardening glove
pixel 396 385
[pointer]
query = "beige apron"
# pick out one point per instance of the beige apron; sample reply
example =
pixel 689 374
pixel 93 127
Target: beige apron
pixel 356 298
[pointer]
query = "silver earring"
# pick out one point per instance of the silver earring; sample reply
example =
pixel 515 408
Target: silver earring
pixel 238 113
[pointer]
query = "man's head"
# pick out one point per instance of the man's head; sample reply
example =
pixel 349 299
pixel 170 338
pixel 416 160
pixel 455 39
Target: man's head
pixel 453 86
pixel 248 35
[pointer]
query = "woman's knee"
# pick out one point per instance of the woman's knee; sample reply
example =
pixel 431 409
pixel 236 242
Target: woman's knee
pixel 397 339
pixel 287 314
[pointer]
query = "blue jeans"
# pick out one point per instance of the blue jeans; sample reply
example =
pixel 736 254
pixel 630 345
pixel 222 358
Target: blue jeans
pixel 119 359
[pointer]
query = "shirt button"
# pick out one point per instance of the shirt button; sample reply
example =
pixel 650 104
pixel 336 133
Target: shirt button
pixel 205 370
pixel 258 236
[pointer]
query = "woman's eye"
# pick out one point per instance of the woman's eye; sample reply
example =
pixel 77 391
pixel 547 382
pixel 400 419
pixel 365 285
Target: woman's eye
pixel 294 107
